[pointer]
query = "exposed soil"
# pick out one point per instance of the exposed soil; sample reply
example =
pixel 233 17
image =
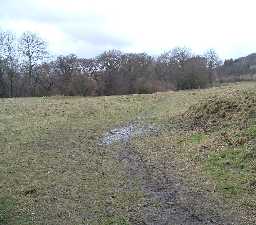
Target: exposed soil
pixel 167 200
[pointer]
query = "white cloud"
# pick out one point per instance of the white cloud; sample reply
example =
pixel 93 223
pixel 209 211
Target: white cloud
pixel 88 27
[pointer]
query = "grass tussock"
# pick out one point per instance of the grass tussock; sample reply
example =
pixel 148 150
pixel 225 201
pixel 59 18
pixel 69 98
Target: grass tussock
pixel 229 108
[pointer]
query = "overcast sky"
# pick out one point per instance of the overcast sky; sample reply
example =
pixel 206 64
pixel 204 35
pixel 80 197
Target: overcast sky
pixel 88 27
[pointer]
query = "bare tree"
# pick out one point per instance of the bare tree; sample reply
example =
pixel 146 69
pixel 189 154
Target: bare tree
pixel 33 50
pixel 213 61
pixel 195 74
pixel 2 81
pixel 109 64
pixel 180 55
pixel 66 67
pixel 8 53
pixel 112 72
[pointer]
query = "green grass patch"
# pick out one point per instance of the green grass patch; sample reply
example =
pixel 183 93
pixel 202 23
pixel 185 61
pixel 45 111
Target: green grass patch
pixel 251 131
pixel 9 214
pixel 232 170
pixel 191 139
pixel 197 138
pixel 7 206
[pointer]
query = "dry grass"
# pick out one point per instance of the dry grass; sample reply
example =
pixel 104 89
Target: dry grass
pixel 232 107
pixel 52 170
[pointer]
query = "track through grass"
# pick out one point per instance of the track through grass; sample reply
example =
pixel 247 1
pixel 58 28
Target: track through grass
pixel 52 166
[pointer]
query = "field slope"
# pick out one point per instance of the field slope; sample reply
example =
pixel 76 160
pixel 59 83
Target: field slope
pixel 183 157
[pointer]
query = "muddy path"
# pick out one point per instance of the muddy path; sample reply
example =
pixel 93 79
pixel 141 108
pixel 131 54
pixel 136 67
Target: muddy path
pixel 167 200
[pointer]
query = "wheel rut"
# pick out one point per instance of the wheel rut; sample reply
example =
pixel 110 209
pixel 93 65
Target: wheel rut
pixel 167 200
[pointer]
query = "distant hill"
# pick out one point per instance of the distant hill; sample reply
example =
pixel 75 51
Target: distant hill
pixel 243 68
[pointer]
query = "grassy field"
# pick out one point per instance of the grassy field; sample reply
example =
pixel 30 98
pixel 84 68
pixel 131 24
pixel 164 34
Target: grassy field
pixel 53 169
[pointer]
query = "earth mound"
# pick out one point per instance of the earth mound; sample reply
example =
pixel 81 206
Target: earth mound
pixel 234 107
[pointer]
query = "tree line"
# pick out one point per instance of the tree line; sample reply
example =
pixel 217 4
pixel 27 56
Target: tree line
pixel 26 69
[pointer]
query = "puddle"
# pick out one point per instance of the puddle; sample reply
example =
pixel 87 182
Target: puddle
pixel 125 133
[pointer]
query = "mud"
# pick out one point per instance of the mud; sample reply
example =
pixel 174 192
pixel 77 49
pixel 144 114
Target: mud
pixel 167 200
